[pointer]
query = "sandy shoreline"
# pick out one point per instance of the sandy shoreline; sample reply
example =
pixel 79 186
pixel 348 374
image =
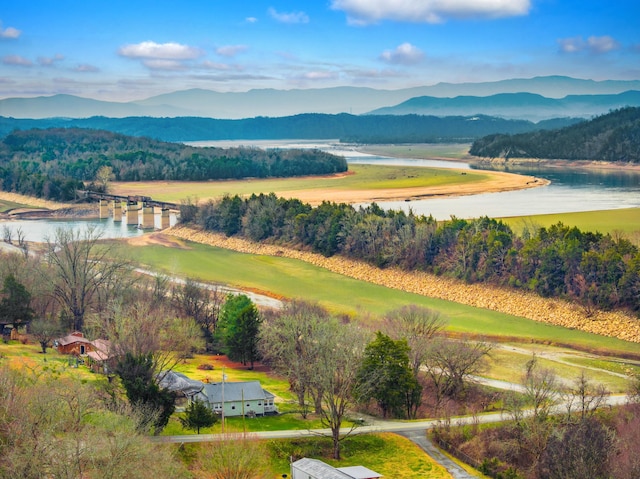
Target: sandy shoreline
pixel 498 181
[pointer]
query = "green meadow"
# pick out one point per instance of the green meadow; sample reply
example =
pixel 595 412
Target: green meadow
pixel 364 177
pixel 625 220
pixel 290 278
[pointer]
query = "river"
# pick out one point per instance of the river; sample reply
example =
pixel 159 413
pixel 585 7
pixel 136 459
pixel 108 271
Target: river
pixel 571 189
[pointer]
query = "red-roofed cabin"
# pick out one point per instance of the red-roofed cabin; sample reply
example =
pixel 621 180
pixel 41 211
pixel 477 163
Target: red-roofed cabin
pixel 74 343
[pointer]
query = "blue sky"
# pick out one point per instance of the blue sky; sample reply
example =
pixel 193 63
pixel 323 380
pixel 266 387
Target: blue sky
pixel 126 50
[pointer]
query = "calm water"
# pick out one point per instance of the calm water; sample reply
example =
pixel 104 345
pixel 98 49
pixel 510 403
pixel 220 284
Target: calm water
pixel 570 190
pixel 40 230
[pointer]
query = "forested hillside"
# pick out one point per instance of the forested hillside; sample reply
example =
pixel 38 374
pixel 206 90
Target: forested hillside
pixel 611 137
pixel 592 269
pixel 54 163
pixel 352 128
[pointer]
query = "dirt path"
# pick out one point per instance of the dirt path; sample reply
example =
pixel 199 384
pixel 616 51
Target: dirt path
pixel 514 302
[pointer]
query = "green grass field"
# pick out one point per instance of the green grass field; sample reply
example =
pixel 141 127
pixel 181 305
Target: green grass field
pixel 625 220
pixel 10 205
pixel 365 177
pixel 289 278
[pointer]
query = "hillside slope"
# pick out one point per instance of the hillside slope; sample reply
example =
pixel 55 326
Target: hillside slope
pixel 613 137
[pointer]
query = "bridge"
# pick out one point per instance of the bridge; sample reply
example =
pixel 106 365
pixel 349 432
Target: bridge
pixel 134 209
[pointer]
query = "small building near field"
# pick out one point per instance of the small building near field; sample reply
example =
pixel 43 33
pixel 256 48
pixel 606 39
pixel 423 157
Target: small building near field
pixel 246 398
pixel 314 469
pixel 74 343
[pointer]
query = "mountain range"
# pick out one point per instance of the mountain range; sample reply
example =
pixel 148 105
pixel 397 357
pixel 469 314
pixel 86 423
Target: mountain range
pixel 354 100
pixel 528 106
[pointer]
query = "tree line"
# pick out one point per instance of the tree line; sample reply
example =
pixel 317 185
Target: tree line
pixel 313 126
pixel 599 271
pixel 612 137
pixel 54 163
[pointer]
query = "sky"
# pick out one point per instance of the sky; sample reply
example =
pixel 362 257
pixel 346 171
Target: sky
pixel 129 50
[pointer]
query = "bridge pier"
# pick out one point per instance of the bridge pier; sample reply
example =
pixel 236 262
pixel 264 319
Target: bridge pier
pixel 104 209
pixel 133 212
pixel 117 210
pixel 148 219
pixel 165 219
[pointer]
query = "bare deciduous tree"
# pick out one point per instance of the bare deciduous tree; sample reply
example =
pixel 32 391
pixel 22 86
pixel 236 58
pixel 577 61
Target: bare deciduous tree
pixel 450 363
pixel 418 325
pixel 584 397
pixel 85 270
pixel 541 388
pixel 290 341
pixel 235 456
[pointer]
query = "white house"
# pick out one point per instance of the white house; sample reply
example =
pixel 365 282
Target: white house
pixel 240 398
pixel 313 469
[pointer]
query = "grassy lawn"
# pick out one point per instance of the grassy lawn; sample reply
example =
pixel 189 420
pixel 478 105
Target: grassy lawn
pixel 29 356
pixel 510 366
pixel 289 278
pixel 625 220
pixel 391 455
pixel 10 205
pixel 365 177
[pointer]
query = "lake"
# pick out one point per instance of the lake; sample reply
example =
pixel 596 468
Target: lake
pixel 570 190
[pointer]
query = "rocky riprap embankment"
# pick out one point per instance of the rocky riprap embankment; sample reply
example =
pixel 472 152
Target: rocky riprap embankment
pixel 518 303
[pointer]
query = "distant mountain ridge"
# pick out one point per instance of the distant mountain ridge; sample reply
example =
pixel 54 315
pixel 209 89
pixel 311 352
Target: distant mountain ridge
pixel 530 106
pixel 613 137
pixel 310 126
pixel 278 103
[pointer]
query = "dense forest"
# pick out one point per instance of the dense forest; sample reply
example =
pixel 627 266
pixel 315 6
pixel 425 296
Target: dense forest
pixel 595 270
pixel 351 128
pixel 611 137
pixel 54 163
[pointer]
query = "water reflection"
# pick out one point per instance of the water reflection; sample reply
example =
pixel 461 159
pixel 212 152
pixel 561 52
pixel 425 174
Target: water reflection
pixel 42 229
pixel 571 190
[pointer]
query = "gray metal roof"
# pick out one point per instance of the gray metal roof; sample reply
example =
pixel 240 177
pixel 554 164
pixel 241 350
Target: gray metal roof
pixel 359 472
pixel 318 469
pixel 178 382
pixel 235 391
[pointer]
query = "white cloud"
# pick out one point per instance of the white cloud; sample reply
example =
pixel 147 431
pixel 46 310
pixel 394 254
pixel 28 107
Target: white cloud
pixel 160 51
pixel 364 12
pixel 209 65
pixel 49 61
pixel 162 64
pixel 405 54
pixel 593 44
pixel 251 20
pixel 602 44
pixel 9 32
pixel 17 60
pixel 231 50
pixel 320 75
pixel 290 17
pixel 86 68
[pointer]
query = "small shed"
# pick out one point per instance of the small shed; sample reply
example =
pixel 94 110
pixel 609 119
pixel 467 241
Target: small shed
pixel 307 468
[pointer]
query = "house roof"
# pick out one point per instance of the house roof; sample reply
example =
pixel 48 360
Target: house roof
pixel 236 391
pixel 319 469
pixel 178 382
pixel 72 338
pixel 359 472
